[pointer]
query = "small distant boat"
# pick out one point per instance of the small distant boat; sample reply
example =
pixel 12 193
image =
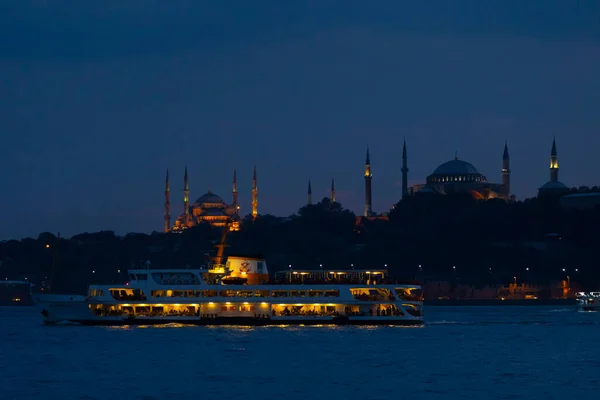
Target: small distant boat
pixel 15 293
pixel 588 301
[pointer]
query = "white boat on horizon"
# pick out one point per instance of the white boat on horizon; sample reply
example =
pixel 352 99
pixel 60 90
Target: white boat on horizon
pixel 241 293
pixel 588 301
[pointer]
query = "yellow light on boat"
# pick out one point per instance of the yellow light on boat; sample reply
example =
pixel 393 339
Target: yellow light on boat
pixel 211 303
pixel 245 302
pixel 176 305
pixel 281 305
pixel 316 304
pixel 228 303
pixel 299 304
pixel 368 272
pixel 263 304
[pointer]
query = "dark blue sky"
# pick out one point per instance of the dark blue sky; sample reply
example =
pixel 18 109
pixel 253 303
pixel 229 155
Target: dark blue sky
pixel 97 99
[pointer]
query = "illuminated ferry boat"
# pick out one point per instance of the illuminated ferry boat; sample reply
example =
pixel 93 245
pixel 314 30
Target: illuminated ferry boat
pixel 588 301
pixel 241 293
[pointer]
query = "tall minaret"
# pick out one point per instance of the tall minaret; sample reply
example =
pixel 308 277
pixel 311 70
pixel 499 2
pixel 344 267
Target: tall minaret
pixel 553 162
pixel 368 177
pixel 186 196
pixel 332 196
pixel 309 193
pixel 234 193
pixel 404 172
pixel 254 196
pixel 167 204
pixel 506 170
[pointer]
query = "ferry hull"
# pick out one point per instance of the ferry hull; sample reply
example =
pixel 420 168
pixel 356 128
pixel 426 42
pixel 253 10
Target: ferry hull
pixel 80 313
pixel 237 321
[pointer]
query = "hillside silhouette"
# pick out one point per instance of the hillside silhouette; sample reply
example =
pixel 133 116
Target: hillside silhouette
pixel 452 237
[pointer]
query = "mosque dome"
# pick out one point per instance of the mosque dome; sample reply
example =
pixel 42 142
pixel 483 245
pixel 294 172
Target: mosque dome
pixel 455 167
pixel 554 186
pixel 210 198
pixel 455 171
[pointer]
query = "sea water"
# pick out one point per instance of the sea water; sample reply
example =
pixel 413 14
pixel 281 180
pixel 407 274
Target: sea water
pixel 473 352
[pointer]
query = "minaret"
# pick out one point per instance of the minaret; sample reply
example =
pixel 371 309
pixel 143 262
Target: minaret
pixel 506 170
pixel 254 196
pixel 309 193
pixel 368 177
pixel 167 204
pixel 234 193
pixel 404 172
pixel 332 196
pixel 186 196
pixel 553 162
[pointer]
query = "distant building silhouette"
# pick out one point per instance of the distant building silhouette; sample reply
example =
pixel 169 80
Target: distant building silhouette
pixel 458 176
pixel 368 179
pixel 404 171
pixel 553 187
pixel 254 195
pixel 209 207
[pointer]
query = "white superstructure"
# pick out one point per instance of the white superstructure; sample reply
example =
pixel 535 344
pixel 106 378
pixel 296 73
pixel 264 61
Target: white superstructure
pixel 202 296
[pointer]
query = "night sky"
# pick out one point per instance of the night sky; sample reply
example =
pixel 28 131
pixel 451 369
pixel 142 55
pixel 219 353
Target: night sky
pixel 98 98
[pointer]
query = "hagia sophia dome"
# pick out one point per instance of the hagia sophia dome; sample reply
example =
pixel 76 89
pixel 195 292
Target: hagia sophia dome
pixel 456 171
